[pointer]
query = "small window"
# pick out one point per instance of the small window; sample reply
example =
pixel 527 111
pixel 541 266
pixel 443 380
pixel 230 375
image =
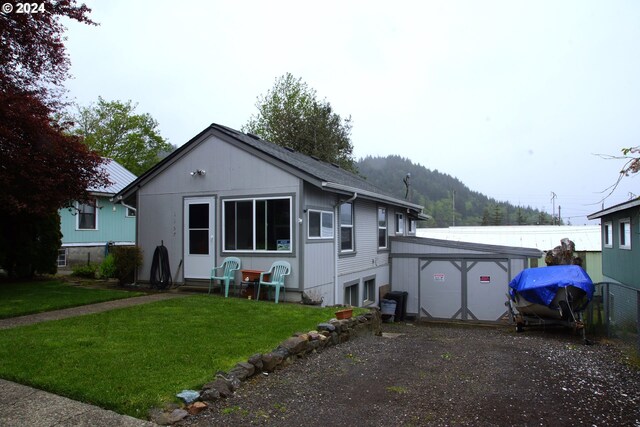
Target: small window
pixel 351 295
pixel 131 213
pixel 399 223
pixel 607 232
pixel 382 228
pixel 625 234
pixel 346 227
pixel 369 296
pixel 88 216
pixel 412 226
pixel 320 224
pixel 62 257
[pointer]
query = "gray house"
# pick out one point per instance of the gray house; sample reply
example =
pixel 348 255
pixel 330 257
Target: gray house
pixel 226 193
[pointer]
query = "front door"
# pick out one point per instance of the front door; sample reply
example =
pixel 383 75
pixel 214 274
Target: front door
pixel 199 228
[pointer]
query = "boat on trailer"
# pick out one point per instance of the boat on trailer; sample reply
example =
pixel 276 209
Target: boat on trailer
pixel 556 294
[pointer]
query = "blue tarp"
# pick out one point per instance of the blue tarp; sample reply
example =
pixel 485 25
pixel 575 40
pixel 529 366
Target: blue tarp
pixel 540 285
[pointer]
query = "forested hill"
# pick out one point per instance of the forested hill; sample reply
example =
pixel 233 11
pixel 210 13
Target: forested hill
pixel 434 190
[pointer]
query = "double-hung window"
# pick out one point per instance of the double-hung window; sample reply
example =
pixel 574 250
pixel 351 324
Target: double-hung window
pixel 399 223
pixel 257 225
pixel 607 235
pixel 346 227
pixel 87 216
pixel 624 238
pixel 320 224
pixel 382 228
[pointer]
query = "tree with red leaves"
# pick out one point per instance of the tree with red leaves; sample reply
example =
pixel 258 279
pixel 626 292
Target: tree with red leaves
pixel 42 168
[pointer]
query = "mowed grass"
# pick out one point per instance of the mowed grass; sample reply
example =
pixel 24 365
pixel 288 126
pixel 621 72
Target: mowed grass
pixel 19 299
pixel 130 360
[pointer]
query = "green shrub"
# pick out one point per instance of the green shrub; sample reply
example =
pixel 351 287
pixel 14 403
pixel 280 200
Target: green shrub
pixel 85 271
pixel 127 259
pixel 29 243
pixel 107 269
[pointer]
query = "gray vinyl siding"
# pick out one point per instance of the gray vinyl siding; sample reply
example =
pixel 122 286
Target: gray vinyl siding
pixel 319 254
pixel 230 173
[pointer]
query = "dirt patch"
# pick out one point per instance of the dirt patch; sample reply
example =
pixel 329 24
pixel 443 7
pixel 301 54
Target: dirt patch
pixel 442 375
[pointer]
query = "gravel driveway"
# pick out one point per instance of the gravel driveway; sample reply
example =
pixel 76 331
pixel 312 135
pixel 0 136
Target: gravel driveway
pixel 428 374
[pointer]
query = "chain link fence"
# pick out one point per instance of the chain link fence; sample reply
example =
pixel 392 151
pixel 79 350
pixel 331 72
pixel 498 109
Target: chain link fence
pixel 614 312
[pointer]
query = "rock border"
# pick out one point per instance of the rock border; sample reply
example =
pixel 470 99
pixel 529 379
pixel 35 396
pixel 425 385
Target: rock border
pixel 297 346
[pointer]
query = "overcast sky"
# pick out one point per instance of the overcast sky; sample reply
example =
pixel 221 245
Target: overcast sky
pixel 514 98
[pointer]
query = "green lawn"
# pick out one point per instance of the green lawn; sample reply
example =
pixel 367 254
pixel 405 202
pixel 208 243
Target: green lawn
pixel 132 359
pixel 18 299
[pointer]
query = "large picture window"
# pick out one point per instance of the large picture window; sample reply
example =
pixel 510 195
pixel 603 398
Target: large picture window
pixel 346 227
pixel 87 216
pixel 257 225
pixel 320 224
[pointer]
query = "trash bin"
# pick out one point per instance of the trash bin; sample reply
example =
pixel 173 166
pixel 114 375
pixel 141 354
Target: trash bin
pixel 400 297
pixel 388 309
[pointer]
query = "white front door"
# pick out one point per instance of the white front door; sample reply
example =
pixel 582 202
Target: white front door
pixel 199 234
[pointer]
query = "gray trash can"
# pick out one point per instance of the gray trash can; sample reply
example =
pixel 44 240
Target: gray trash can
pixel 388 309
pixel 400 297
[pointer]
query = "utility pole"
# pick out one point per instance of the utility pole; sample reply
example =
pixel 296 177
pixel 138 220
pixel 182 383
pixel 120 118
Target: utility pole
pixel 559 214
pixel 553 212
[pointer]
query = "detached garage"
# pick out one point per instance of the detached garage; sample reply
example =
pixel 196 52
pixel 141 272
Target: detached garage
pixel 455 280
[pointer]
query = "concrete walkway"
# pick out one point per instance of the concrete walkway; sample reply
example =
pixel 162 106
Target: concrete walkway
pixel 25 406
pixel 84 309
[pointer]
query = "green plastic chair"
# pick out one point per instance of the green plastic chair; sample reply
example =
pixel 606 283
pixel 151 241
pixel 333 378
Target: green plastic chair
pixel 277 273
pixel 229 267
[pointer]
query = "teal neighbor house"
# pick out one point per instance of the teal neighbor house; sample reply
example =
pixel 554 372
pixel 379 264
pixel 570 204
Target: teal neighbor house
pixel 620 226
pixel 89 228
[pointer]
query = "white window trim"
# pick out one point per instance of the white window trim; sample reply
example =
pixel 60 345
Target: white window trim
pixel 624 232
pixel 351 226
pixel 366 302
pixel 65 255
pixel 127 215
pixel 412 226
pixel 607 234
pixel 97 210
pixel 385 228
pixel 325 232
pixel 399 223
pixel 353 284
pixel 254 200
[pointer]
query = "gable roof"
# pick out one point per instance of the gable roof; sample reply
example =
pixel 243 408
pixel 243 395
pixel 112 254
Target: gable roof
pixel 119 176
pixel 326 176
pixel 616 208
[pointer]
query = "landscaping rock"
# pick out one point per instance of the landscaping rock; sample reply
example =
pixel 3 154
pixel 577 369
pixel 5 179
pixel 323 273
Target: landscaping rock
pixel 295 345
pixel 242 371
pixel 256 360
pixel 177 415
pixel 196 408
pixel 270 361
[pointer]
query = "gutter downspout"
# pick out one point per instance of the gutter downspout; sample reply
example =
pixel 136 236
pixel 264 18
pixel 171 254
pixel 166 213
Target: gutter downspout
pixel 128 207
pixel 336 208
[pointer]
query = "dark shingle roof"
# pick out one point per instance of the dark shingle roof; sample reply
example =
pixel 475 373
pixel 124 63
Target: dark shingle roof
pixel 320 173
pixel 317 168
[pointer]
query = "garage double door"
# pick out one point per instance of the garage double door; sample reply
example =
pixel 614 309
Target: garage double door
pixel 465 289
